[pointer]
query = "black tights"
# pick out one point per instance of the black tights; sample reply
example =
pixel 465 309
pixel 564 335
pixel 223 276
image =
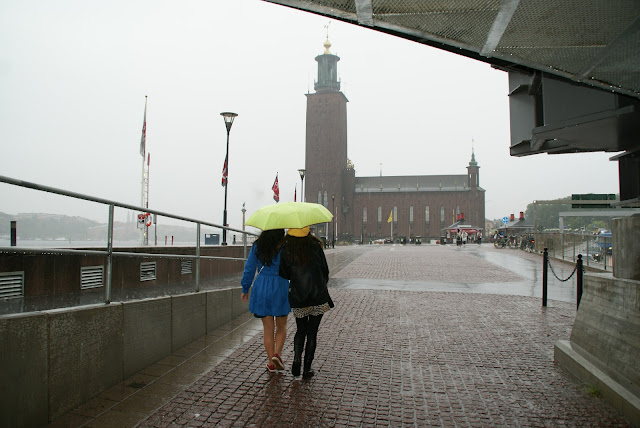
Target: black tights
pixel 307 328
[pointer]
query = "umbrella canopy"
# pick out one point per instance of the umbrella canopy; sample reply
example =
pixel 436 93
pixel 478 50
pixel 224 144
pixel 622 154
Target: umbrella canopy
pixel 288 215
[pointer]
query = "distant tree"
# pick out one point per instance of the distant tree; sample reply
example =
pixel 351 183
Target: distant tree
pixel 547 216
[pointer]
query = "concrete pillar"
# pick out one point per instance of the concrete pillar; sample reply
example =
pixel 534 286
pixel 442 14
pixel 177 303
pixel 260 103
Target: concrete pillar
pixel 626 247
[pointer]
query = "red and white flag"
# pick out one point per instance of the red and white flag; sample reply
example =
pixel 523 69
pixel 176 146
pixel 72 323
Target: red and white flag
pixel 143 139
pixel 225 172
pixel 276 190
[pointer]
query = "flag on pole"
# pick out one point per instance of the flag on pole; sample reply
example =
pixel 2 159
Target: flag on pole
pixel 390 219
pixel 143 139
pixel 276 190
pixel 295 191
pixel 225 172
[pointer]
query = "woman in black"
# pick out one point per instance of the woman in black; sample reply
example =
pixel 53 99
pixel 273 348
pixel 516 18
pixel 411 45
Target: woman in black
pixel 303 263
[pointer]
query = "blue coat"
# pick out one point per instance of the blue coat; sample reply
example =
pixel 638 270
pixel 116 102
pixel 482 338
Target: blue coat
pixel 270 293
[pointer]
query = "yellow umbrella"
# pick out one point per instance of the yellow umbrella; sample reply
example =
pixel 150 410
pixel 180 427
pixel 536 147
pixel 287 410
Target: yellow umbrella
pixel 288 215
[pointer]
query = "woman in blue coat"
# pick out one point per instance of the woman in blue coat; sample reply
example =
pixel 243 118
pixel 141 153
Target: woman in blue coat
pixel 269 296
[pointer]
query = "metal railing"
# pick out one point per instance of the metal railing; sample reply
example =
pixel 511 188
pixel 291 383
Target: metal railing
pixel 109 253
pixel 596 249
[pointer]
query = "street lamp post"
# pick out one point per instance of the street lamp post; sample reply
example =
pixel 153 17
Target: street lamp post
pixel 228 121
pixel 333 222
pixel 301 171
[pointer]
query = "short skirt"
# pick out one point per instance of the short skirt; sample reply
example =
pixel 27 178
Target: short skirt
pixel 311 310
pixel 269 296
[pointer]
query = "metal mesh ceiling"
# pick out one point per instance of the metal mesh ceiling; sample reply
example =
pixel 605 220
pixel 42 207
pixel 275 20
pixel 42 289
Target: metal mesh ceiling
pixel 590 41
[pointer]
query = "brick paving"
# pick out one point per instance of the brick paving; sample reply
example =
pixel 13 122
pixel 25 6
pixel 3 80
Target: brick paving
pixel 405 358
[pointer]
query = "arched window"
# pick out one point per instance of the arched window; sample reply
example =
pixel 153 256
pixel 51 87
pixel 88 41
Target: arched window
pixel 320 197
pixel 441 214
pixel 326 200
pixel 426 214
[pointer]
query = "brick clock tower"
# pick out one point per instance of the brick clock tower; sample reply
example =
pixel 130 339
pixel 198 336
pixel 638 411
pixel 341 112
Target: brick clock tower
pixel 326 144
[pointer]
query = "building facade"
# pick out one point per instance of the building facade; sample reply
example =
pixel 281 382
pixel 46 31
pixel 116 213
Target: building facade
pixel 367 208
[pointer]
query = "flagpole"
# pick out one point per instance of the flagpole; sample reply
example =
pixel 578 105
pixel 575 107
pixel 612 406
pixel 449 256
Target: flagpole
pixel 143 149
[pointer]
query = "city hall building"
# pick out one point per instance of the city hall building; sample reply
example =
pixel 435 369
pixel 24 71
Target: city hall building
pixel 421 205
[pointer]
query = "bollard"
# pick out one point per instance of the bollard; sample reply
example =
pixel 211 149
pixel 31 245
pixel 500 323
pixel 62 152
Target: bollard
pixel 579 280
pixel 545 266
pixel 14 234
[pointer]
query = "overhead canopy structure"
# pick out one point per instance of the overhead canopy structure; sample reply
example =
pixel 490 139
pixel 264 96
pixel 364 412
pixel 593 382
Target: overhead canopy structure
pixel 574 66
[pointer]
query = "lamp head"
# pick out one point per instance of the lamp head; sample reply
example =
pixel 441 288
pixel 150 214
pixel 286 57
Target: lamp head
pixel 301 172
pixel 228 119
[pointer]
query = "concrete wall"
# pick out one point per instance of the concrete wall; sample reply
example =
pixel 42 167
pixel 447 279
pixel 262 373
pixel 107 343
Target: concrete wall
pixel 24 370
pixel 604 349
pixel 607 327
pixel 54 361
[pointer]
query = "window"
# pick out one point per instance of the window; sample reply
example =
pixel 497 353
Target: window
pixel 326 200
pixel 320 198
pixel 441 214
pixel 379 214
pixel 426 214
pixel 364 222
pixel 395 215
pixel 410 220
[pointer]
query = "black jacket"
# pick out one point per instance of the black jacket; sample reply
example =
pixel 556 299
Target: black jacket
pixel 308 283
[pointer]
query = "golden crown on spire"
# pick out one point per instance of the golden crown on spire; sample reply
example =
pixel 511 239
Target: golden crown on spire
pixel 327 45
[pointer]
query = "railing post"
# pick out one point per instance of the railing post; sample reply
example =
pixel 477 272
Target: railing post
pixel 198 257
pixel 587 240
pixel 545 266
pixel 107 286
pixel 579 280
pixel 14 233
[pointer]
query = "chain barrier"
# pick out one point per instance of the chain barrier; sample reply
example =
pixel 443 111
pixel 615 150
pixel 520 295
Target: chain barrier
pixel 569 277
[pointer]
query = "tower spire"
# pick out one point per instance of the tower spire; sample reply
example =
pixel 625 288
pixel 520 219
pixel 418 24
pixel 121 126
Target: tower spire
pixel 327 69
pixel 473 162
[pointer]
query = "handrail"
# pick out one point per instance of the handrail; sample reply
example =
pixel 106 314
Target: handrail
pixel 62 192
pixel 109 253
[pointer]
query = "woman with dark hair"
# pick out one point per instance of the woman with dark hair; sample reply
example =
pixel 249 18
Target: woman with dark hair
pixel 269 300
pixel 303 263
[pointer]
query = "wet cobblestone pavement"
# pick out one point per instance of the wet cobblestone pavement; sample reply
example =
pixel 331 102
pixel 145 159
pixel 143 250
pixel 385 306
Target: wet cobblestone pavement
pixel 397 350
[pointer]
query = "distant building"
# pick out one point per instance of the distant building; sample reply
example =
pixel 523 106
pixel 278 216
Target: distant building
pixel 420 205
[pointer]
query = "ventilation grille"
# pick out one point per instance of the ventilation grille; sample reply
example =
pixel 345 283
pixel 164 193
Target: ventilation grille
pixel 11 284
pixel 147 271
pixel 91 277
pixel 186 266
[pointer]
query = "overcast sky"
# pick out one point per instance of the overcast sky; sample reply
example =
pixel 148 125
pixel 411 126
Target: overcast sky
pixel 74 75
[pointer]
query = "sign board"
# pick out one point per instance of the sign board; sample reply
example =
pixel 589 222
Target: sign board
pixel 505 220
pixel 593 198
